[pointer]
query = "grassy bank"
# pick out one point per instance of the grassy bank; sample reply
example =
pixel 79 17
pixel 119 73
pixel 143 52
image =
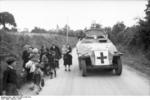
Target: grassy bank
pixel 12 45
pixel 136 59
pixel 138 62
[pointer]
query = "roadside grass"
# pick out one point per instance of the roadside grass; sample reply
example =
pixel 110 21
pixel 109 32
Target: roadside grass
pixel 137 62
pixel 12 45
pixel 136 59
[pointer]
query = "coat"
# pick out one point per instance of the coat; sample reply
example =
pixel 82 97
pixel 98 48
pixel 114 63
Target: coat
pixel 51 60
pixel 10 83
pixel 57 52
pixel 68 57
pixel 25 57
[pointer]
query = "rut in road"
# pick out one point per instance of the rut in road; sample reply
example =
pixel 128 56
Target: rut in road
pixel 97 83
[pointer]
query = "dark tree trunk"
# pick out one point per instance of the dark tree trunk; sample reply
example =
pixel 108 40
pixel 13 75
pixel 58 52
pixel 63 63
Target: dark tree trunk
pixel 4 26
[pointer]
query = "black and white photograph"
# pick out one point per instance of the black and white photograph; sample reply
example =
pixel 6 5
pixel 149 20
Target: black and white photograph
pixel 74 48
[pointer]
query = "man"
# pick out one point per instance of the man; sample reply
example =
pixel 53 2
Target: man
pixel 10 84
pixel 57 53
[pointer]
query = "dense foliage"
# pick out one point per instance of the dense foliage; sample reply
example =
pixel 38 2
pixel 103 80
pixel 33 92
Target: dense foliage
pixel 135 38
pixel 7 18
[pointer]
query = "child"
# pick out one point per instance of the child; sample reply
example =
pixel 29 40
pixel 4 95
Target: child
pixel 51 60
pixel 10 84
pixel 44 62
pixel 38 74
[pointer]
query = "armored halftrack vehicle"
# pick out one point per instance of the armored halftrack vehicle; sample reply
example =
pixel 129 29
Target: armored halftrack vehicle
pixel 96 51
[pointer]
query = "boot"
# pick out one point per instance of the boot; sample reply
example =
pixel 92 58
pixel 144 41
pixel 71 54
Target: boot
pixel 69 70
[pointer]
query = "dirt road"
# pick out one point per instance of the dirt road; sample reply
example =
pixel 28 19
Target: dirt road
pixel 97 83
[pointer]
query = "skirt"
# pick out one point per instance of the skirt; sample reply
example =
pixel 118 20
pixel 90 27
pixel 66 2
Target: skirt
pixel 67 59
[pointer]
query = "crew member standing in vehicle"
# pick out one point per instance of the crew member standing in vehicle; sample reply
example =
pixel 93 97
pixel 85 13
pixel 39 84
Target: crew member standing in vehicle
pixel 10 84
pixel 67 58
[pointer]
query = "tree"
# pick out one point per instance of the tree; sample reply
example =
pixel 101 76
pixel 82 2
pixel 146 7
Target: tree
pixel 117 32
pixel 13 29
pixel 144 30
pixel 7 18
pixel 65 29
pixel 38 30
pixel 80 34
pixel 118 27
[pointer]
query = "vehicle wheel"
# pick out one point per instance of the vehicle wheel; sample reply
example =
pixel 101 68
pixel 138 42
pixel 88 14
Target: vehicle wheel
pixel 118 65
pixel 83 64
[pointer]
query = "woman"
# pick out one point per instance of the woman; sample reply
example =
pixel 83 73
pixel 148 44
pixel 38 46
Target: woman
pixel 26 58
pixel 30 65
pixel 67 58
pixel 25 55
pixel 57 55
